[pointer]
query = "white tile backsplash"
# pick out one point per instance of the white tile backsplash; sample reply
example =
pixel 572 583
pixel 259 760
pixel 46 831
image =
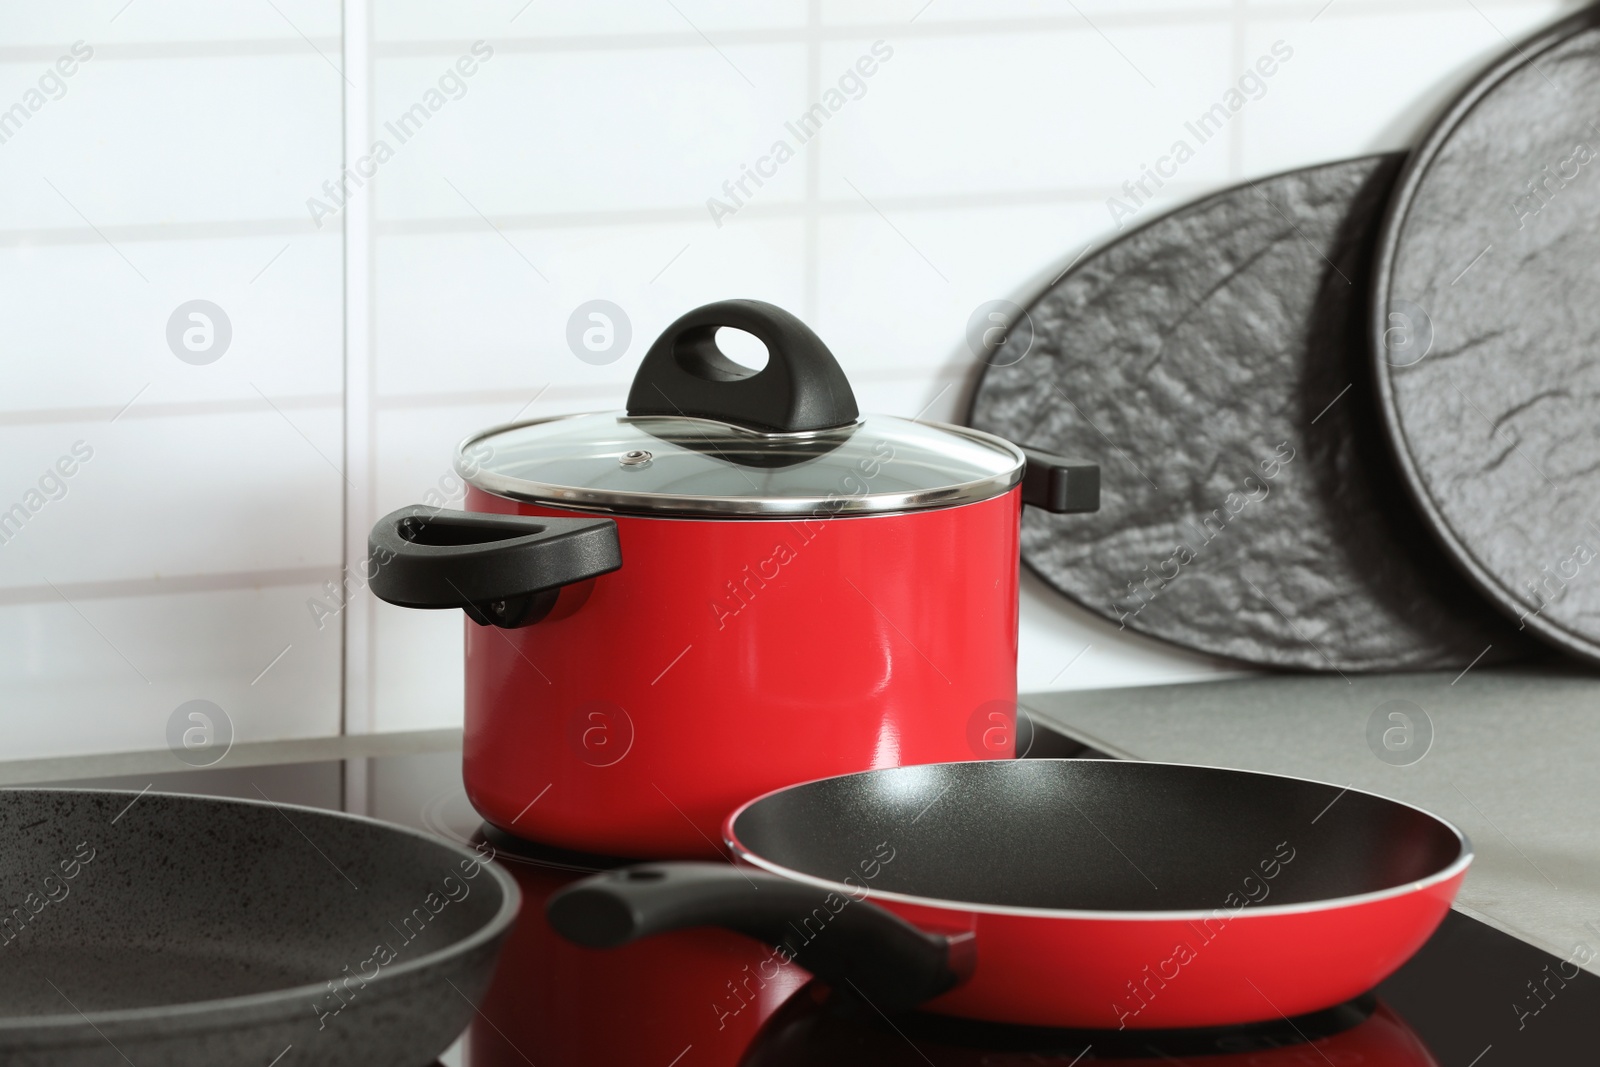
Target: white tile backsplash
pixel 883 306
pixel 169 22
pixel 418 20
pixel 88 332
pixel 100 674
pixel 604 131
pixel 186 159
pixel 417 670
pixel 1081 12
pixel 1390 71
pixel 176 140
pixel 179 495
pixel 1020 112
pixel 461 311
pixel 417 445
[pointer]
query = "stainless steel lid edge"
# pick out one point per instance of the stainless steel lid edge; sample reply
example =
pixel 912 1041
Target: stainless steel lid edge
pixel 471 468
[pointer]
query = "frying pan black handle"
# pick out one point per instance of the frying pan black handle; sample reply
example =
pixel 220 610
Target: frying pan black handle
pixel 503 570
pixel 1059 485
pixel 800 389
pixel 848 943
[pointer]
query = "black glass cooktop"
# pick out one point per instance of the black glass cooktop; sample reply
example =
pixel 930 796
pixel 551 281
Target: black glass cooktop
pixel 1472 997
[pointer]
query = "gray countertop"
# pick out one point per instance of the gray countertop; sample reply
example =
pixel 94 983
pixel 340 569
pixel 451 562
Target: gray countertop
pixel 1512 761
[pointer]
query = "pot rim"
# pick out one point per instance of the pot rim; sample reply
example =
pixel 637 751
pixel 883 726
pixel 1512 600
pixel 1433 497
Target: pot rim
pixel 579 498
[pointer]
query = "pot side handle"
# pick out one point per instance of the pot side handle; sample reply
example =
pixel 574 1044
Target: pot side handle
pixel 801 389
pixel 1060 485
pixel 502 570
pixel 849 943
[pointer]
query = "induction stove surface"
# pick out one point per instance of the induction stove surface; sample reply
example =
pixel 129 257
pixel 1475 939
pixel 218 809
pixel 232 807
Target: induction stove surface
pixel 1472 997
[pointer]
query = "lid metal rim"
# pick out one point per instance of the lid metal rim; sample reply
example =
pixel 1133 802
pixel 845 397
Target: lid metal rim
pixel 670 504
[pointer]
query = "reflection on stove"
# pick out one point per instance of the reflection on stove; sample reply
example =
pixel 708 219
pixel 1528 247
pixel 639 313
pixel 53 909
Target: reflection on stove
pixel 822 1028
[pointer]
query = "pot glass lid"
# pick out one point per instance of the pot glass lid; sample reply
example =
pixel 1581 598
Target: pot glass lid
pixel 678 465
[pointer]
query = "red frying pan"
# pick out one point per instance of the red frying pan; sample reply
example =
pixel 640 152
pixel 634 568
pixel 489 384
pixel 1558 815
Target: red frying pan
pixel 1081 893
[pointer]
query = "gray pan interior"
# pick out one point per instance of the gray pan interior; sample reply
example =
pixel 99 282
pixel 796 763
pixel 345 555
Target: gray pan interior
pixel 1099 835
pixel 173 930
pixel 1486 332
pixel 1216 362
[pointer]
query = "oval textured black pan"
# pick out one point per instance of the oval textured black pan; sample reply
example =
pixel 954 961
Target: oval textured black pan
pixel 155 928
pixel 1486 320
pixel 1215 361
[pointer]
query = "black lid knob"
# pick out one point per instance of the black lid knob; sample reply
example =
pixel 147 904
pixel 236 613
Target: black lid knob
pixel 802 388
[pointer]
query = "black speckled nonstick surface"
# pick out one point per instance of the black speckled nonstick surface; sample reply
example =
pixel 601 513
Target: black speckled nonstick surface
pixel 1486 325
pixel 161 929
pixel 1040 833
pixel 1215 361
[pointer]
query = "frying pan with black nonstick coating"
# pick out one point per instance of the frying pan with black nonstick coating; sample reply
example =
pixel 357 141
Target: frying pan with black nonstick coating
pixel 1081 893
pixel 165 929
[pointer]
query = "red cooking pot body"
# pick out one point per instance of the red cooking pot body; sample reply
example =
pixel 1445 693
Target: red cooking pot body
pixel 736 586
pixel 1091 894
pixel 640 719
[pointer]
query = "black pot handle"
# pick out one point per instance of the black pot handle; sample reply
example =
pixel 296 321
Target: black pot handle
pixel 1059 485
pixel 504 570
pixel 802 387
pixel 848 943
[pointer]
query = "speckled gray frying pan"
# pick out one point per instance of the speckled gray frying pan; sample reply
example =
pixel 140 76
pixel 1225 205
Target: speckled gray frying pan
pixel 1486 328
pixel 164 930
pixel 1216 360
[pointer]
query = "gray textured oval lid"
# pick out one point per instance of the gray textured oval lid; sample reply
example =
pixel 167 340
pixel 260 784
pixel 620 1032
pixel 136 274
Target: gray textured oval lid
pixel 610 461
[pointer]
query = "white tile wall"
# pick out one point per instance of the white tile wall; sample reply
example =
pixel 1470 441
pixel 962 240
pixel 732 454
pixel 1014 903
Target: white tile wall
pixel 93 334
pixel 177 563
pixel 469 295
pixel 1390 69
pixel 575 162
pixel 1004 112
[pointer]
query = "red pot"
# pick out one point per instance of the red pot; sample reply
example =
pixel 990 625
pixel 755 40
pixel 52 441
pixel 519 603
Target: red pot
pixel 736 585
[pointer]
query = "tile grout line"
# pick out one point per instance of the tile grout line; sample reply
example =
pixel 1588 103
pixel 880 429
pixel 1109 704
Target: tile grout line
pixel 980 200
pixel 269 47
pixel 607 392
pixel 1174 16
pixel 369 396
pixel 813 220
pixel 249 48
pixel 195 584
pixel 1241 31
pixel 344 391
pixel 357 620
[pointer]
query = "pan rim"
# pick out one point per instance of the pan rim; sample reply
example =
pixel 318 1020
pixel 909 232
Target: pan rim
pixel 199 1015
pixel 1450 871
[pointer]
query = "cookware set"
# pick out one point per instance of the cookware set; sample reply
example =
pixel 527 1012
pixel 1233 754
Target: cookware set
pixel 739 587
pixel 739 584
